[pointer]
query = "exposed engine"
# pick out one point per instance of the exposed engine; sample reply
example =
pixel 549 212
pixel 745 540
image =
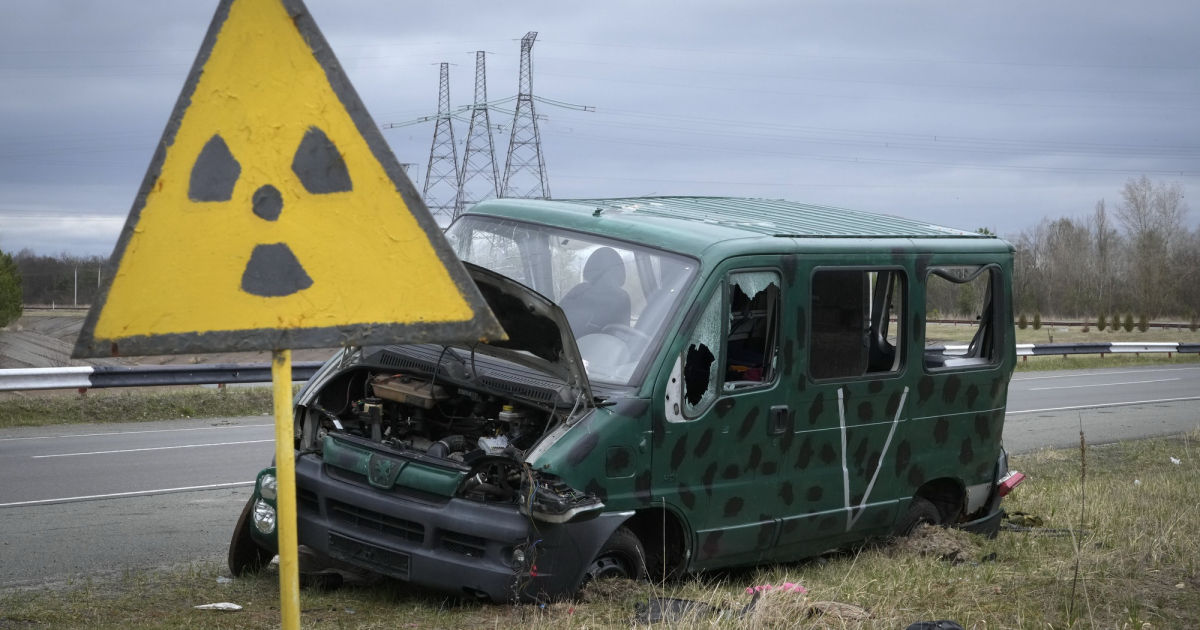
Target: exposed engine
pixel 413 416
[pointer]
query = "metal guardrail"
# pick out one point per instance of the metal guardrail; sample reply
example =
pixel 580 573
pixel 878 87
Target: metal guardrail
pixel 1101 348
pixel 88 377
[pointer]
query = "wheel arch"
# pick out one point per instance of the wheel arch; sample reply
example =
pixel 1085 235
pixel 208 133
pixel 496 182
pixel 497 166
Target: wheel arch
pixel 665 536
pixel 948 495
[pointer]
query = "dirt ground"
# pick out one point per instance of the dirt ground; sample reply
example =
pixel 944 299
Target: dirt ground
pixel 46 338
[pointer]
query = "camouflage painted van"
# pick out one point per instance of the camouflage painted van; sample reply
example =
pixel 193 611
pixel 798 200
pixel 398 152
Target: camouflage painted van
pixel 688 383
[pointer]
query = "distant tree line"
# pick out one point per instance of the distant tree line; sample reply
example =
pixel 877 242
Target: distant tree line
pixel 1140 258
pixel 47 280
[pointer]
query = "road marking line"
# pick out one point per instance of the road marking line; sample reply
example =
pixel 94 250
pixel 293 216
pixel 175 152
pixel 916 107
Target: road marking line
pixel 1161 380
pixel 1100 406
pixel 135 493
pixel 79 435
pixel 1104 372
pixel 155 448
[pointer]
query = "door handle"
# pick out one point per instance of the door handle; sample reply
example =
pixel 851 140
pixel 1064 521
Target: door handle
pixel 777 420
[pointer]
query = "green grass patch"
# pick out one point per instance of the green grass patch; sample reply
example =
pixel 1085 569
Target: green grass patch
pixel 1110 543
pixel 131 405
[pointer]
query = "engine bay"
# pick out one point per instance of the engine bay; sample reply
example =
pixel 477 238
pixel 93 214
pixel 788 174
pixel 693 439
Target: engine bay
pixel 455 426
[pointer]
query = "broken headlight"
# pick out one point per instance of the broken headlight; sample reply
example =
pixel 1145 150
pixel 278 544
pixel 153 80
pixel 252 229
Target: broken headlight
pixel 547 498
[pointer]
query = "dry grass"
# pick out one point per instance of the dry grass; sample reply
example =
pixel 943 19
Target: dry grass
pixel 19 409
pixel 1136 554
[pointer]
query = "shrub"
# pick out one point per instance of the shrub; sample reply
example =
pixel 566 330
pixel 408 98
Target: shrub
pixel 10 290
pixel 1086 327
pixel 1116 322
pixel 1143 323
pixel 1037 320
pixel 1101 323
pixel 1195 323
pixel 1128 322
pixel 1022 322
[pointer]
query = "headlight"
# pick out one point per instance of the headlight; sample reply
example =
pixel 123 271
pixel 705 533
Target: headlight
pixel 264 517
pixel 267 488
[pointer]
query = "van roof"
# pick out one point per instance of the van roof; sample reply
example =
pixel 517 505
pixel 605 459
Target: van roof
pixel 693 223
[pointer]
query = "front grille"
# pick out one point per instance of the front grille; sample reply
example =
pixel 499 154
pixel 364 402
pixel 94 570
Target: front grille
pixel 466 544
pixel 306 499
pixel 374 521
pixel 386 561
pixel 412 494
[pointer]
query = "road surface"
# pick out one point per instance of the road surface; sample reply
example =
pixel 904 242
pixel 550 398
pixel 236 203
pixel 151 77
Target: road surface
pixel 92 499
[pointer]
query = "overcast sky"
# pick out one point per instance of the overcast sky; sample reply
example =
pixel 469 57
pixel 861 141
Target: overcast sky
pixel 966 114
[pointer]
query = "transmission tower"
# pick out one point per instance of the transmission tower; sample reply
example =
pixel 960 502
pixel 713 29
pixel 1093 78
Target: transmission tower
pixel 441 175
pixel 479 159
pixel 525 169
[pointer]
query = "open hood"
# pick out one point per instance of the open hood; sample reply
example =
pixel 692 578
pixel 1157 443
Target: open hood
pixel 537 330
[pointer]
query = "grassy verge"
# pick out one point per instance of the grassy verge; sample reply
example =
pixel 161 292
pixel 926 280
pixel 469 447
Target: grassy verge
pixel 1109 545
pixel 1092 361
pixel 131 405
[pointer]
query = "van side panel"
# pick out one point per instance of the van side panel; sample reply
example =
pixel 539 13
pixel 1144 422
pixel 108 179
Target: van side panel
pixel 809 464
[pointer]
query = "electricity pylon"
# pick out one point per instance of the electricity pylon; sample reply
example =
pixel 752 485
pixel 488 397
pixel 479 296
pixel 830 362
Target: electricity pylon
pixel 525 169
pixel 442 191
pixel 479 154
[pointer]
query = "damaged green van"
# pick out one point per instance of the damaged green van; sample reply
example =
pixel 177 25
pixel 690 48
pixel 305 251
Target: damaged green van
pixel 688 383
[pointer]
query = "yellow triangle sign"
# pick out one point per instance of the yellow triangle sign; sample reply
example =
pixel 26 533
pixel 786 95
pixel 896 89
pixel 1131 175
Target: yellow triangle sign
pixel 274 216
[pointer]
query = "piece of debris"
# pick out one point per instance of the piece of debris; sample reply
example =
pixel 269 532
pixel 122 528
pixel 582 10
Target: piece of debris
pixel 229 606
pixel 942 624
pixel 786 587
pixel 221 579
pixel 1021 519
pixel 1176 461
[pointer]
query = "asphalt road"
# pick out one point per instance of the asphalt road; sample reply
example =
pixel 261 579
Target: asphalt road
pixel 96 499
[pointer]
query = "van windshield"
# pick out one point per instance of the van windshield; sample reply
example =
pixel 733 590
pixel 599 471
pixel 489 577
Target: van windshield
pixel 617 296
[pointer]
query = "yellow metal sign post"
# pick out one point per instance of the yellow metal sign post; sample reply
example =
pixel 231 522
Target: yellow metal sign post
pixel 273 216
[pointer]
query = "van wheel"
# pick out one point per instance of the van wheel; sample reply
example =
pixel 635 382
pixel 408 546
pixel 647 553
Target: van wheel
pixel 621 557
pixel 245 555
pixel 920 510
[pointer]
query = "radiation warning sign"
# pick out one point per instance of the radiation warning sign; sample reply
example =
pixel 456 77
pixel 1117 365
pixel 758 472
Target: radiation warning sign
pixel 273 214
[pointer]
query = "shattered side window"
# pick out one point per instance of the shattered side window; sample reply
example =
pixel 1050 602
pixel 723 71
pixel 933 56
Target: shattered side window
pixel 954 294
pixel 855 330
pixel 700 360
pixel 751 345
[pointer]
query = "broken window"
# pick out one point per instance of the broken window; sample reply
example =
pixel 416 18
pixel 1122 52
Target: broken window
pixel 960 316
pixel 735 343
pixel 751 344
pixel 855 322
pixel 699 360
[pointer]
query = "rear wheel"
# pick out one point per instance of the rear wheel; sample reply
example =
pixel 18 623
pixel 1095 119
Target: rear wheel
pixel 621 557
pixel 920 510
pixel 245 555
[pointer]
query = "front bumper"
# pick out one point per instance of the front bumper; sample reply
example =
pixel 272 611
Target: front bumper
pixel 453 545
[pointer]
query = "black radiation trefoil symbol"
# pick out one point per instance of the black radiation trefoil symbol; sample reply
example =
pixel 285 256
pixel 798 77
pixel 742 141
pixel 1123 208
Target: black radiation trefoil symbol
pixel 273 270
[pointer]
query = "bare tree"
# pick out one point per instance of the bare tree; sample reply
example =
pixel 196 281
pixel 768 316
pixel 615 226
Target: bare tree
pixel 1153 215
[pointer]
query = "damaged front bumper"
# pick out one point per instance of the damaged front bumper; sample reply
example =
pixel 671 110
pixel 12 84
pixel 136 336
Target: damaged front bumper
pixel 456 545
